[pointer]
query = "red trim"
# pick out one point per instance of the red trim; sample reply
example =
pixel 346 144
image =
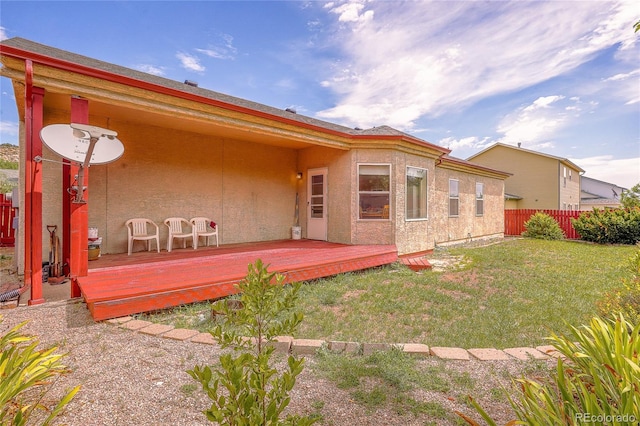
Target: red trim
pixel 78 213
pixel 34 118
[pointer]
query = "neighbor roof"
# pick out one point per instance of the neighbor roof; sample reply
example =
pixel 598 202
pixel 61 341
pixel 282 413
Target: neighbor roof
pixel 564 161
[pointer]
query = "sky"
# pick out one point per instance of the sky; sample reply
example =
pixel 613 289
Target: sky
pixel 558 77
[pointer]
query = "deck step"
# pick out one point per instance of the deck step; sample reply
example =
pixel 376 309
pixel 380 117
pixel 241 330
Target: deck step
pixel 416 263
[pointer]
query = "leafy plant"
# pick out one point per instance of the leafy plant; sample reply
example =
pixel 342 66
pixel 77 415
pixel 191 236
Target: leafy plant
pixel 597 379
pixel 627 298
pixel 247 389
pixel 609 226
pixel 631 197
pixel 542 226
pixel 26 375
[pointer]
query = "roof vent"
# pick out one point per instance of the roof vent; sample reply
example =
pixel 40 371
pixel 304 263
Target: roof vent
pixel 291 110
pixel 191 83
pixel 357 128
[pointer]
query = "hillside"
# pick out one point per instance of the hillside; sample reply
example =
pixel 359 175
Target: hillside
pixel 9 153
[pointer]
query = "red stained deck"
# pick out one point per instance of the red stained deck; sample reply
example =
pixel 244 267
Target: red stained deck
pixel 119 285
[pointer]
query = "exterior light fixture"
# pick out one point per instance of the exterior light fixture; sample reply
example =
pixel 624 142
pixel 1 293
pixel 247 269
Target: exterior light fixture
pixel 299 175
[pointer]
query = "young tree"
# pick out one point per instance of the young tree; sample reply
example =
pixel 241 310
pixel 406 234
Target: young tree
pixel 247 389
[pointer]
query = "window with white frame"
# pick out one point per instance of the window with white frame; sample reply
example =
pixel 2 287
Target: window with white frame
pixel 416 201
pixel 479 198
pixel 373 190
pixel 454 197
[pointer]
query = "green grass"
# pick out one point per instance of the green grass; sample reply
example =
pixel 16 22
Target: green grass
pixel 389 378
pixel 504 295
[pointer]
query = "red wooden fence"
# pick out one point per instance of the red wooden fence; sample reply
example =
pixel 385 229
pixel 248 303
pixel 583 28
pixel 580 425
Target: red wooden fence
pixel 7 213
pixel 514 221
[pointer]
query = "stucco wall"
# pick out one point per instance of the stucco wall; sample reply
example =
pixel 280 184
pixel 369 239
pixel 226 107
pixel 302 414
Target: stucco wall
pixel 467 225
pixel 241 186
pixel 337 163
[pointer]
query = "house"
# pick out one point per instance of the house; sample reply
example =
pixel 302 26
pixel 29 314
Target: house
pixel 189 151
pixel 539 181
pixel 598 194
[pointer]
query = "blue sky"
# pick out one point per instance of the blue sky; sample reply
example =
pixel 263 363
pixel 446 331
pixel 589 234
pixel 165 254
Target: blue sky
pixel 561 78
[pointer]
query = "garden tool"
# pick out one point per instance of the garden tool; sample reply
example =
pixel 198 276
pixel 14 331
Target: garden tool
pixel 55 270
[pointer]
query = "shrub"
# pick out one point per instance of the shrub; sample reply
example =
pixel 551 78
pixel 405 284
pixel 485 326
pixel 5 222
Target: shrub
pixel 598 381
pixel 609 226
pixel 26 375
pixel 627 298
pixel 542 226
pixel 246 389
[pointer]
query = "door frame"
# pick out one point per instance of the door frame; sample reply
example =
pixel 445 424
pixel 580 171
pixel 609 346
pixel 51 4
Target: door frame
pixel 317 228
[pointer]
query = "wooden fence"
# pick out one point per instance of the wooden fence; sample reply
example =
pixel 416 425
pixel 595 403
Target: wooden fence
pixel 7 213
pixel 514 221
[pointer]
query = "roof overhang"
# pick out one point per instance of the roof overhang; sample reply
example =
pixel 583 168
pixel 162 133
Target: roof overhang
pixel 457 164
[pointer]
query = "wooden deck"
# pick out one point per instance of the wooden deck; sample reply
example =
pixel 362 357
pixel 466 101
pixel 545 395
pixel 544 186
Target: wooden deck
pixel 120 285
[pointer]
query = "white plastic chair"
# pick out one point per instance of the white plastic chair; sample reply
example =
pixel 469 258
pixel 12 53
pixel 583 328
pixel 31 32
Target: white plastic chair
pixel 137 230
pixel 202 228
pixel 175 231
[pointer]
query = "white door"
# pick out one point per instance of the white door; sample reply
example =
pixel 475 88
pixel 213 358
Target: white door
pixel 317 204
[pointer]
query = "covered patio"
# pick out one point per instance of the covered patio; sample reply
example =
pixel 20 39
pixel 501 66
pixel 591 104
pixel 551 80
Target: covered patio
pixel 119 285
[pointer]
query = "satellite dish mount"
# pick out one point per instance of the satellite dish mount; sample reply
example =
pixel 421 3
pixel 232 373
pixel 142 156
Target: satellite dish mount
pixel 85 145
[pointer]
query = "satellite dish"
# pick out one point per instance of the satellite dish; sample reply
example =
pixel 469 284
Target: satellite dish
pixel 73 141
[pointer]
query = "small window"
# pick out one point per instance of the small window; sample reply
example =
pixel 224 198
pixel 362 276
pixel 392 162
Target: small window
pixel 416 202
pixel 479 199
pixel 454 198
pixel 373 191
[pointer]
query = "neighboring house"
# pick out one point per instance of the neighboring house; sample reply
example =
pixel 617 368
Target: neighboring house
pixel 192 152
pixel 598 194
pixel 538 181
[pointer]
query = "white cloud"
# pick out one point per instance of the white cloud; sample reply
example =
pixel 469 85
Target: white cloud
pixel 9 128
pixel 3 34
pixel 400 64
pixel 473 142
pixel 150 69
pixel 190 62
pixel 351 11
pixel 624 172
pixel 223 50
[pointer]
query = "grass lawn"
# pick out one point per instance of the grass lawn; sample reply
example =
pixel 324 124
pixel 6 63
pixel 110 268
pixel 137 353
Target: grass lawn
pixel 504 295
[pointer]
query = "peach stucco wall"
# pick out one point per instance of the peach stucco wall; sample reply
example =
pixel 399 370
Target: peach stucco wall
pixel 247 188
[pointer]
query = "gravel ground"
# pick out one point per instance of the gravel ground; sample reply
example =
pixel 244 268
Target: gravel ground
pixel 129 378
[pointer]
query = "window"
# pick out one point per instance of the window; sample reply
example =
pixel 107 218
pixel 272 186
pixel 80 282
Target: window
pixel 373 190
pixel 479 199
pixel 416 201
pixel 454 198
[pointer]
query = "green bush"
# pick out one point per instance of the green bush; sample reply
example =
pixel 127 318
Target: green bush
pixel 26 374
pixel 246 389
pixel 630 197
pixel 543 227
pixel 609 226
pixel 627 298
pixel 596 381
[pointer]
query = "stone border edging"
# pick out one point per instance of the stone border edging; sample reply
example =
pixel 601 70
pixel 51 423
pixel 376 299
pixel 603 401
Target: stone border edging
pixel 287 344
